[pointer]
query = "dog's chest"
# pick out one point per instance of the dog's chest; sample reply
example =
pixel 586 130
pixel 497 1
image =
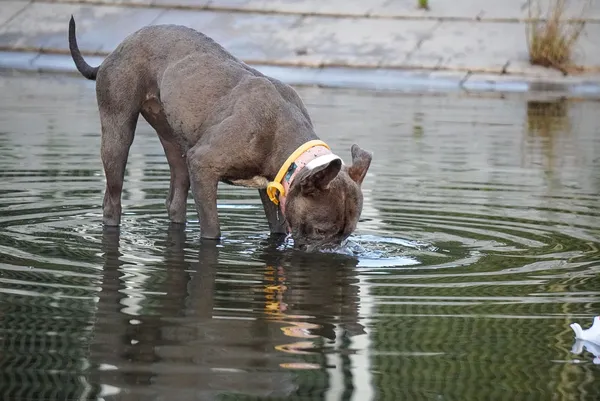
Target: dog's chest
pixel 254 182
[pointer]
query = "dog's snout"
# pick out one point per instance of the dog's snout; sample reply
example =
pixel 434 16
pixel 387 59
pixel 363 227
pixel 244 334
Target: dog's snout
pixel 311 245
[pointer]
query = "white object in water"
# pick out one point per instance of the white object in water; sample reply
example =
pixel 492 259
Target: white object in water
pixel 579 346
pixel 592 334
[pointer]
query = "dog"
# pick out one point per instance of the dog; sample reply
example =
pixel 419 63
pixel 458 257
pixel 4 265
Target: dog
pixel 219 120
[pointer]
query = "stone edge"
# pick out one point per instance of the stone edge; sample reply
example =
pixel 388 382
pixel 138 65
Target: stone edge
pixel 380 79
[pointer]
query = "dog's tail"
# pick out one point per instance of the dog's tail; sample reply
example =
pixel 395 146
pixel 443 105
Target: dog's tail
pixel 84 68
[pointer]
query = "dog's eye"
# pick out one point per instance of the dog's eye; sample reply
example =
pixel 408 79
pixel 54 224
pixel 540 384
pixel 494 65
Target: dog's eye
pixel 320 231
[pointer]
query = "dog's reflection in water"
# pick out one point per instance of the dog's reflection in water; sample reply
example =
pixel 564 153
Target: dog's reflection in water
pixel 196 326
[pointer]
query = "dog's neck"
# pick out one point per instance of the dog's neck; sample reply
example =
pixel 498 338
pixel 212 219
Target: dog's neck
pixel 312 155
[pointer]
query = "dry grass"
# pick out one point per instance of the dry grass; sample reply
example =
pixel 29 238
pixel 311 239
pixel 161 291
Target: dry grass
pixel 551 40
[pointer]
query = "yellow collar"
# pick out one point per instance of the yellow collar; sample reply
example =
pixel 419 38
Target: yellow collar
pixel 275 187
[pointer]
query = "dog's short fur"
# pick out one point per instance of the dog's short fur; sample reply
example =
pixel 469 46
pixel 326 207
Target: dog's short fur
pixel 218 120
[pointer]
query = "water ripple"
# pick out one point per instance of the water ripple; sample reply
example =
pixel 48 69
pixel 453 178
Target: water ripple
pixel 479 243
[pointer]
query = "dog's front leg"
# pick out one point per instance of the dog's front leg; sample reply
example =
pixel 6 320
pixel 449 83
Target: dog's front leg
pixel 204 179
pixel 277 223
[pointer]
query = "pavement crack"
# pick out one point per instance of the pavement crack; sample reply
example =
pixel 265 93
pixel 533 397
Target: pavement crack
pixel 22 10
pixel 464 79
pixel 162 13
pixel 427 36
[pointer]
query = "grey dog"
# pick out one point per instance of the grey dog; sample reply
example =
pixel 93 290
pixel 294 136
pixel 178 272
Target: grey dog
pixel 220 120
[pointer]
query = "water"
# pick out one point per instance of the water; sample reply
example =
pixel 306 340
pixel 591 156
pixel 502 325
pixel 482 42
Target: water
pixel 479 245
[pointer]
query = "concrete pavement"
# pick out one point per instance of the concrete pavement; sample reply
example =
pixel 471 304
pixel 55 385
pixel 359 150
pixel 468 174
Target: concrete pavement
pixel 381 44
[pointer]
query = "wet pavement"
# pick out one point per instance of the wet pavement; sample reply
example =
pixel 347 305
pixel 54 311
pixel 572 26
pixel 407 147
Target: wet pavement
pixel 479 245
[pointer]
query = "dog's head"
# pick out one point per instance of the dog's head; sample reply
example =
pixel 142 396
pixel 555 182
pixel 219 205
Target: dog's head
pixel 324 203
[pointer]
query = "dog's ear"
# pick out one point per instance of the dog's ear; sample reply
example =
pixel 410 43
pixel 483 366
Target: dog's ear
pixel 319 174
pixel 361 160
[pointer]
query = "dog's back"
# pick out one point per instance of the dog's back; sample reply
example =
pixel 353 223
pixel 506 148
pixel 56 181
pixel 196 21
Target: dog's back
pixel 163 44
pixel 153 48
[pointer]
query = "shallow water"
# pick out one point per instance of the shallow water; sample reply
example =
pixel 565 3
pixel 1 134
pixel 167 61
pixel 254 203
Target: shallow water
pixel 479 245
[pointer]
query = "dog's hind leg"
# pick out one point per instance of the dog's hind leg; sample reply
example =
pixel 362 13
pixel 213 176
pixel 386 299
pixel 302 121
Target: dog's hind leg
pixel 180 181
pixel 118 128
